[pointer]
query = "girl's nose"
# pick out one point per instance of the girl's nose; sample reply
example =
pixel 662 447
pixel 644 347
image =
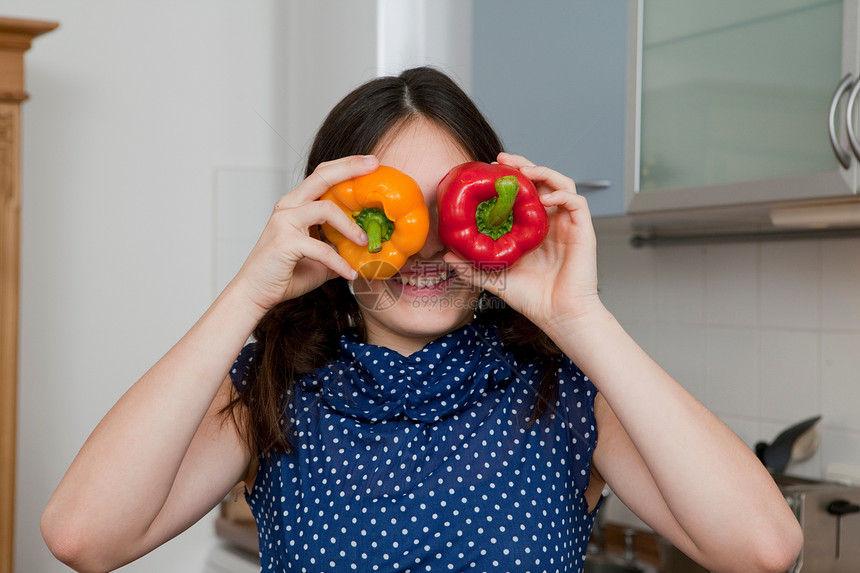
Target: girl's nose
pixel 432 246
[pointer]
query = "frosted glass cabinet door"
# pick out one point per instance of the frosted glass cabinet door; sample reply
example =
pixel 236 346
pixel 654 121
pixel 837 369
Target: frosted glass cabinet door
pixel 735 92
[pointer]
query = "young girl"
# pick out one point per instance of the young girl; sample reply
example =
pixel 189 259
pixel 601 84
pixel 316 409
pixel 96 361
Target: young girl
pixel 470 423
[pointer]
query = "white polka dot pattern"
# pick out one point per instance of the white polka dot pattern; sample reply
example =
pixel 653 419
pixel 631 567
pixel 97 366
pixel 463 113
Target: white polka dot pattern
pixel 426 463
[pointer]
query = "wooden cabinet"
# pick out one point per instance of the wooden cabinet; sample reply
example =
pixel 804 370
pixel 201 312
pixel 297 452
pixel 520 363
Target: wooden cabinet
pixel 15 38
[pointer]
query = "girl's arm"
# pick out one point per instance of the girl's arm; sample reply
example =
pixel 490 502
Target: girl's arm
pixel 162 457
pixel 662 452
pixel 673 463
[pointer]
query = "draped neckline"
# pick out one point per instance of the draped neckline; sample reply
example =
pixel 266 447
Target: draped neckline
pixel 449 375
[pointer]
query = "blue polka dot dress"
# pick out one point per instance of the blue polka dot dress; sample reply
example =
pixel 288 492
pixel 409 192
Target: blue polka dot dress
pixel 427 463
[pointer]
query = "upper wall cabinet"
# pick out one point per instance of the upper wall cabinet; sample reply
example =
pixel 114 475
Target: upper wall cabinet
pixel 676 104
pixel 739 102
pixel 551 77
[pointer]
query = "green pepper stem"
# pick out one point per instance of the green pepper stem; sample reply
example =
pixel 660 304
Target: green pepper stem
pixel 374 236
pixel 495 217
pixel 377 226
pixel 507 188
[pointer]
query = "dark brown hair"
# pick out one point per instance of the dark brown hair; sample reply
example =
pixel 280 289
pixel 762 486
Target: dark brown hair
pixel 301 335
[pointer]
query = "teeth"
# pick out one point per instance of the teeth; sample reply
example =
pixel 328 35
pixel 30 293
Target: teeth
pixel 425 281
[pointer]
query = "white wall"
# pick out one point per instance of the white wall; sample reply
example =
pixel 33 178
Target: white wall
pixel 133 107
pixel 425 32
pixel 764 334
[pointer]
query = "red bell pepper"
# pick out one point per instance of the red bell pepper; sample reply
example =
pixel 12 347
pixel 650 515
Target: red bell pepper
pixel 490 214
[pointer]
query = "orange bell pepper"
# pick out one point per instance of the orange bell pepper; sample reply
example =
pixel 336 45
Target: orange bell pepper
pixel 389 206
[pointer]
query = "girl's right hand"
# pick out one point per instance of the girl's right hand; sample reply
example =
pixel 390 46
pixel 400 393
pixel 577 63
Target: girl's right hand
pixel 290 259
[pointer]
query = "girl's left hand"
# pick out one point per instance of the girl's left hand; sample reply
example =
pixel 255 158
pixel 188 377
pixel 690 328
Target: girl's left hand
pixel 557 282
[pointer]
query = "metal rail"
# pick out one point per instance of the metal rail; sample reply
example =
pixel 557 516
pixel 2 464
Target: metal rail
pixel 710 238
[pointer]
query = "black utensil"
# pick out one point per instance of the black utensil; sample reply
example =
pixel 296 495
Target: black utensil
pixel 777 454
pixel 838 508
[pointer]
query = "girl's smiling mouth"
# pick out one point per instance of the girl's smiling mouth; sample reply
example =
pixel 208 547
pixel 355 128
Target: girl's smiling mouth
pixel 425 280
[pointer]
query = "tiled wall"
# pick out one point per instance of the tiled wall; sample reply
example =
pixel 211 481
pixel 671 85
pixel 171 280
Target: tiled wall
pixel 765 334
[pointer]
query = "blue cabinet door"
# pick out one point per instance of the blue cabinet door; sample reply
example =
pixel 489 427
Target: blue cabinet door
pixel 551 76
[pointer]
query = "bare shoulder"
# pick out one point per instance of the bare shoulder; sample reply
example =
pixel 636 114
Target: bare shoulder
pixel 219 450
pixel 596 482
pixel 229 415
pixel 609 428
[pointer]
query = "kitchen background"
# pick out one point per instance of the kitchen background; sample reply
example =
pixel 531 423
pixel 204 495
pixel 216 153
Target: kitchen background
pixel 147 118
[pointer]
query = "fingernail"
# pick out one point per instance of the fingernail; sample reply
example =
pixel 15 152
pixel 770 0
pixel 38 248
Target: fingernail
pixel 364 238
pixel 369 160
